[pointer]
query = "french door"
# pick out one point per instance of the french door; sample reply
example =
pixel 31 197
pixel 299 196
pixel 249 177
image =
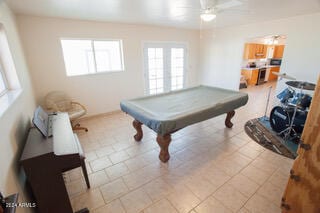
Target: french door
pixel 165 65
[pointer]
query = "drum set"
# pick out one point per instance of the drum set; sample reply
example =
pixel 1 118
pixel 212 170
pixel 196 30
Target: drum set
pixel 288 119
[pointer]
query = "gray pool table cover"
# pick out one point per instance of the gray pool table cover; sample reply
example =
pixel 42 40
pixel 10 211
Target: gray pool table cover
pixel 169 112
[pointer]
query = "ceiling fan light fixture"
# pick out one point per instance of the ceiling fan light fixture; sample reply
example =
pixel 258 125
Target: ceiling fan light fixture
pixel 272 40
pixel 207 16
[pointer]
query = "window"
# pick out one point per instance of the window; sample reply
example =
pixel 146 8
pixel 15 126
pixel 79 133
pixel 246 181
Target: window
pixel 10 88
pixel 8 77
pixel 164 67
pixel 92 56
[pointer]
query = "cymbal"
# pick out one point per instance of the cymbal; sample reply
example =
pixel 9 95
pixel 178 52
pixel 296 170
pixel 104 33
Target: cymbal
pixel 283 75
pixel 301 85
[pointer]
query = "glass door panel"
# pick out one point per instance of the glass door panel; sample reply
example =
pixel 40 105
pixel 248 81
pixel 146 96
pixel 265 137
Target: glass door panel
pixel 164 67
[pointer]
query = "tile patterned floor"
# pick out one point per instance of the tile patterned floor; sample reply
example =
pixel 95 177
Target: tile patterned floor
pixel 212 168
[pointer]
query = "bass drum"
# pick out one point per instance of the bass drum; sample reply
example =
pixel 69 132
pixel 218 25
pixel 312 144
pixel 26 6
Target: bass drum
pixel 299 121
pixel 279 119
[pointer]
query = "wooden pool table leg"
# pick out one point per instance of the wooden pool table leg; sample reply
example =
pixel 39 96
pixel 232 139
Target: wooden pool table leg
pixel 137 125
pixel 228 122
pixel 164 141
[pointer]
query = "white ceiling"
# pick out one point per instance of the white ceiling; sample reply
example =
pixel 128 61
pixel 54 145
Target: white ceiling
pixel 174 13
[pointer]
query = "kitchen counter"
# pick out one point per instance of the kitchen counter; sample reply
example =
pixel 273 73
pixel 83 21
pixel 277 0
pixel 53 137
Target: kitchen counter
pixel 255 68
pixel 252 73
pixel 269 66
pixel 249 68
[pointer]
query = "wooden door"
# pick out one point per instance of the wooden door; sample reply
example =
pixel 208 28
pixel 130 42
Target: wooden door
pixel 254 77
pixel 278 51
pixel 272 76
pixel 302 193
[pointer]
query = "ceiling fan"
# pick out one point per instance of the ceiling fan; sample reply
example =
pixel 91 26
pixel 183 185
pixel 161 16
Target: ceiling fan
pixel 274 39
pixel 210 8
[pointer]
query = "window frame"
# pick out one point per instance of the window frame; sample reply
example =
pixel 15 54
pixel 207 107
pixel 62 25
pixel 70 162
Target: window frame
pixel 13 88
pixel 166 46
pixel 92 40
pixel 5 81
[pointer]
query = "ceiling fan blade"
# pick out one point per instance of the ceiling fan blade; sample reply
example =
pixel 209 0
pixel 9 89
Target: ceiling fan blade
pixel 234 11
pixel 229 4
pixel 189 8
pixel 204 4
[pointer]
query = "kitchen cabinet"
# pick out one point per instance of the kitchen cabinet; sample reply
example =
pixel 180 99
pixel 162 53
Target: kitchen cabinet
pixel 278 51
pixel 249 51
pixel 254 51
pixel 272 76
pixel 261 51
pixel 251 76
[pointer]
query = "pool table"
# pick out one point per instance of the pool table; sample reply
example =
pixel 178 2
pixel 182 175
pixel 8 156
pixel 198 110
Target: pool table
pixel 166 113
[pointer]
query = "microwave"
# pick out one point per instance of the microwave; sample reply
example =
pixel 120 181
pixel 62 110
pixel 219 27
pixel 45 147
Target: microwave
pixel 275 62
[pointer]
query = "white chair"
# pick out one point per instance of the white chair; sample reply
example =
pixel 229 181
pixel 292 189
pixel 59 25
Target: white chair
pixel 58 101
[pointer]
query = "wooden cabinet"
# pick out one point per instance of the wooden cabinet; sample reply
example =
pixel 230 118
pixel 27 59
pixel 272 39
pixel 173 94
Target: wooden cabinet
pixel 255 51
pixel 261 51
pixel 272 76
pixel 247 75
pixel 249 51
pixel 251 76
pixel 254 77
pixel 278 51
pixel 302 193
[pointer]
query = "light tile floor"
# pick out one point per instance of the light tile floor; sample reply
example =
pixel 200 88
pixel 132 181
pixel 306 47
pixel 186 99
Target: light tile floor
pixel 212 168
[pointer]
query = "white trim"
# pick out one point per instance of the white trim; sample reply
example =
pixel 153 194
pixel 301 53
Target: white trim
pixel 94 57
pixel 145 71
pixel 97 73
pixel 121 54
pixel 4 78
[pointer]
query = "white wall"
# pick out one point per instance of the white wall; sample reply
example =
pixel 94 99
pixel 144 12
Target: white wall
pixel 222 49
pixel 102 92
pixel 14 123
